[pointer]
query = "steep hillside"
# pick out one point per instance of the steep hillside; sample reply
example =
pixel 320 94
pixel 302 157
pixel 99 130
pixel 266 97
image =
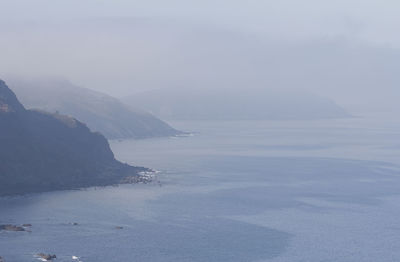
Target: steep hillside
pixel 99 111
pixel 42 151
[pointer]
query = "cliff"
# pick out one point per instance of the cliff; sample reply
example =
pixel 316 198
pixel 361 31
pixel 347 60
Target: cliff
pixel 42 152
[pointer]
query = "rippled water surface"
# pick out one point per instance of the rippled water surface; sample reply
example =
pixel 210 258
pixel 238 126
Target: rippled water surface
pixel 235 191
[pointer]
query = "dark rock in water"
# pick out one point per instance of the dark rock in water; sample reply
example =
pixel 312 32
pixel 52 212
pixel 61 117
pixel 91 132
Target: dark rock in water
pixel 47 257
pixel 11 228
pixel 27 225
pixel 44 152
pixel 2 259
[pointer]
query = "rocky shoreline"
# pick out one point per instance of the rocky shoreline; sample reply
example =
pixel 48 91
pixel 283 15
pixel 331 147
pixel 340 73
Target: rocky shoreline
pixel 141 175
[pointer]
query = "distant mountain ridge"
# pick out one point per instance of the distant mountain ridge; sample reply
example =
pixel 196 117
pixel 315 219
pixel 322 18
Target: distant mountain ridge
pixel 43 151
pixel 99 111
pixel 151 53
pixel 236 104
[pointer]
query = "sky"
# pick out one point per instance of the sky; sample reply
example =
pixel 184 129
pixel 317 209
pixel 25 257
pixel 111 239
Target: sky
pixel 368 20
pixel 126 46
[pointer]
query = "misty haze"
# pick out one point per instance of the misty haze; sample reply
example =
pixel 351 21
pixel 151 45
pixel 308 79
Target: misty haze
pixel 187 131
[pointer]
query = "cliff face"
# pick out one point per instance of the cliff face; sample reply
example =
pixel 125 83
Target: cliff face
pixel 42 152
pixel 99 111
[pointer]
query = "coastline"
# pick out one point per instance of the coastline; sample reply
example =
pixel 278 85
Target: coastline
pixel 141 175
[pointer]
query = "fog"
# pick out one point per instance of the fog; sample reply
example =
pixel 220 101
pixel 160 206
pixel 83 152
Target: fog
pixel 345 50
pixel 214 131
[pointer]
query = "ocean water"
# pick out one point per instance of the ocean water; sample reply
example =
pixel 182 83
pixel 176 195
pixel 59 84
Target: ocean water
pixel 234 191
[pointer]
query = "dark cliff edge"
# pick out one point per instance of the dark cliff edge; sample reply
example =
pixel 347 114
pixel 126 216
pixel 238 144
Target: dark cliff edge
pixel 44 152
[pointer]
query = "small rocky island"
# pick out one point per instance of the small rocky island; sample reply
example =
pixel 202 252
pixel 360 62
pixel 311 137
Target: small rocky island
pixel 44 152
pixel 12 228
pixel 46 257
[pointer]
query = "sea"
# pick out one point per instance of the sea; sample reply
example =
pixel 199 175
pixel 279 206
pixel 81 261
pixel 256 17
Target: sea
pixel 254 191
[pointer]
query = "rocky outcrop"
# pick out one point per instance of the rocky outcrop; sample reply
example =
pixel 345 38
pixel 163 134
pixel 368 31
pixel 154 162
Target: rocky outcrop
pixel 11 228
pixel 46 257
pixel 43 152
